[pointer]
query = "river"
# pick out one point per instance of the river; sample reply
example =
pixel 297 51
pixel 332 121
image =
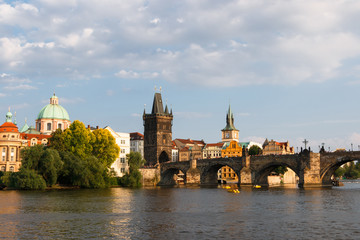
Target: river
pixel 182 213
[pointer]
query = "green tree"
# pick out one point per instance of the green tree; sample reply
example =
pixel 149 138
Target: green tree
pixel 26 179
pixel 57 140
pixel 104 147
pixel 339 172
pixel 77 139
pixel 255 150
pixel 45 162
pixel 280 170
pixel 133 177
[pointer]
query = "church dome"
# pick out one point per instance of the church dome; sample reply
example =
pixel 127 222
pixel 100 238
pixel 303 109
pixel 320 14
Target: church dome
pixel 53 110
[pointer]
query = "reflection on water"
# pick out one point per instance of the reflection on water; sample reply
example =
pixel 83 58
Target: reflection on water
pixel 178 213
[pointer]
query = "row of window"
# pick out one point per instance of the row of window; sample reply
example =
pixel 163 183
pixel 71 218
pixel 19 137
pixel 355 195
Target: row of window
pixel 11 169
pixel 48 126
pixel 12 136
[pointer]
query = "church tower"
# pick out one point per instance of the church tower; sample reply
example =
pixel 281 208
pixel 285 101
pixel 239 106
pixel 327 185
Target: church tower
pixel 230 133
pixel 157 133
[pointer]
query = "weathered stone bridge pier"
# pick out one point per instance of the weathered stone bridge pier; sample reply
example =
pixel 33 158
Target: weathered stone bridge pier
pixel 313 169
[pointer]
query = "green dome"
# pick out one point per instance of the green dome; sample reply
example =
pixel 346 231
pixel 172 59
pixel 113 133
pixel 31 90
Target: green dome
pixel 53 111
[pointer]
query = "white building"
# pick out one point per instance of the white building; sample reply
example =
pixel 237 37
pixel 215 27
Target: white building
pixel 121 166
pixel 137 143
pixel 174 152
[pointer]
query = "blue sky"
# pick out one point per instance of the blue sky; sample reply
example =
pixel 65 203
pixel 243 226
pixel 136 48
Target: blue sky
pixel 290 69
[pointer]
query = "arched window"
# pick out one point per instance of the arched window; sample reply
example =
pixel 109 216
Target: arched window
pixel 59 125
pixel 48 127
pixel 3 168
pixel 11 169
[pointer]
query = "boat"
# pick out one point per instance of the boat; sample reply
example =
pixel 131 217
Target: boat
pixel 257 186
pixel 234 191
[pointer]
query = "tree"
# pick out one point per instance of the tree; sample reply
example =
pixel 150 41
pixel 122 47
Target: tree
pixel 57 140
pixel 104 147
pixel 255 150
pixel 26 179
pixel 280 170
pixel 45 162
pixel 133 177
pixel 77 139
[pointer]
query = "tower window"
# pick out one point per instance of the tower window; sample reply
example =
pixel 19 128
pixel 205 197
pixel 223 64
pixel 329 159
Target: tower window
pixel 48 127
pixel 39 126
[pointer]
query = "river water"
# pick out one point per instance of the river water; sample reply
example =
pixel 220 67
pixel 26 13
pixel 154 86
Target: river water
pixel 182 213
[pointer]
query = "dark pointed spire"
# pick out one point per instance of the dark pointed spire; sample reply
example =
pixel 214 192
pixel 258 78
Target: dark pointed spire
pixel 166 109
pixel 158 107
pixel 230 120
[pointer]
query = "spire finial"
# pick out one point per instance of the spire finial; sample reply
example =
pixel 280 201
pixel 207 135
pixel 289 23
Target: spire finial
pixel 160 89
pixel 9 108
pixel 155 88
pixel 25 120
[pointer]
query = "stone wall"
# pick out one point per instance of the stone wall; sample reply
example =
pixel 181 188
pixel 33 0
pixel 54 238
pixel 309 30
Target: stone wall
pixel 150 176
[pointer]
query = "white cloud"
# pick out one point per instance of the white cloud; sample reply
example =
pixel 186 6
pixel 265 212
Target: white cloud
pixel 131 74
pixel 218 44
pixel 2 95
pixel 155 20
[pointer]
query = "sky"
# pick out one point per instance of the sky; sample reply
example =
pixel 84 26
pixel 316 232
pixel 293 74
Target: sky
pixel 290 69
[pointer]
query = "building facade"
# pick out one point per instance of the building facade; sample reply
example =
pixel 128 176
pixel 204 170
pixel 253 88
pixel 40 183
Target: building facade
pixel 157 133
pixel 189 149
pixel 120 166
pixel 137 143
pixel 52 117
pixel 277 148
pixel 212 150
pixel 10 145
pixel 174 152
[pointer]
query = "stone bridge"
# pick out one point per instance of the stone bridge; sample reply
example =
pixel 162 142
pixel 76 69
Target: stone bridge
pixel 313 169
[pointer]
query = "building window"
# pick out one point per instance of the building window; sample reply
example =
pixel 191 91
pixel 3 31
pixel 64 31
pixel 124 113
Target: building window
pixel 12 158
pixel 3 168
pixel 12 150
pixel 3 158
pixel 122 170
pixel 122 150
pixel 4 150
pixel 122 141
pixel 48 126
pixel 60 126
pixel 39 126
pixel 122 160
pixel 11 169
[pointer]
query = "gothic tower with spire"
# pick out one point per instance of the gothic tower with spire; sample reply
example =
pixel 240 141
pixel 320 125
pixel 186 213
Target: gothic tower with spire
pixel 230 133
pixel 157 133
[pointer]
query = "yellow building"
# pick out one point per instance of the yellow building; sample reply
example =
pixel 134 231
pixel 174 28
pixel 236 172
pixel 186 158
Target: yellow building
pixel 230 149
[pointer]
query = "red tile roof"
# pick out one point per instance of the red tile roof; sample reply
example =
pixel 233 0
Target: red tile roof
pixel 9 127
pixel 136 136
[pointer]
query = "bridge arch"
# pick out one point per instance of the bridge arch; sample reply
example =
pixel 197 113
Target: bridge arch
pixel 163 157
pixel 209 174
pixel 261 174
pixel 328 171
pixel 168 173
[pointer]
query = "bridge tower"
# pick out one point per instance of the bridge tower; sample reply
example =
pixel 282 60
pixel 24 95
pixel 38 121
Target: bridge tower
pixel 157 133
pixel 230 133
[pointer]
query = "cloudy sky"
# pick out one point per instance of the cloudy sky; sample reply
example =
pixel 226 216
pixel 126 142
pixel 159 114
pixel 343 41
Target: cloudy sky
pixel 290 69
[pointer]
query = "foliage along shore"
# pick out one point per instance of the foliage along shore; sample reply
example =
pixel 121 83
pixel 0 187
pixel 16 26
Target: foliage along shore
pixel 75 158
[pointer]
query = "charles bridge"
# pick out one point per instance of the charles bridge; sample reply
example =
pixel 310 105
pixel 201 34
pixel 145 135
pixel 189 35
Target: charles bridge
pixel 313 169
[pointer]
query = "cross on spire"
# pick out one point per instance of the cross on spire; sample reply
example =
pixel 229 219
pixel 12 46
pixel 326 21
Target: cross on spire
pixel 305 142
